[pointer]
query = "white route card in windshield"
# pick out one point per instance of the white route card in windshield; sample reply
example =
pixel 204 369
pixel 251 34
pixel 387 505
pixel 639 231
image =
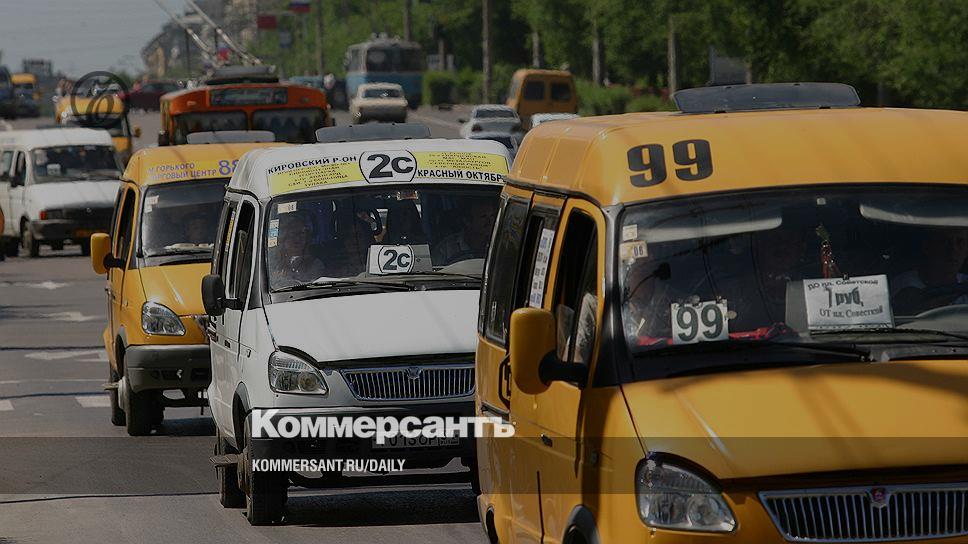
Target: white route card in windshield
pixel 855 303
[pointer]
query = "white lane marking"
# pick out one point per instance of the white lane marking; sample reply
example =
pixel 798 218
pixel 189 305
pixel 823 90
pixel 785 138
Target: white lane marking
pixel 71 317
pixel 6 406
pixel 59 355
pixel 435 121
pixel 93 401
pixel 49 285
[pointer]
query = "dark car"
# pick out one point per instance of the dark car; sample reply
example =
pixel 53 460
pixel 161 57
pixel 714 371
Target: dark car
pixel 8 99
pixel 147 96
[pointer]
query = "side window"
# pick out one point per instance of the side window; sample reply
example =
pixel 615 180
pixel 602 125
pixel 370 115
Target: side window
pixel 560 92
pixel 5 161
pixel 534 90
pixel 535 255
pixel 122 240
pixel 575 299
pixel 19 175
pixel 221 252
pixel 117 211
pixel 502 269
pixel 238 277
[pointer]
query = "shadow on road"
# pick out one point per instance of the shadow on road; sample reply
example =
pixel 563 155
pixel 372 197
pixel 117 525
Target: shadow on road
pixel 383 507
pixel 195 426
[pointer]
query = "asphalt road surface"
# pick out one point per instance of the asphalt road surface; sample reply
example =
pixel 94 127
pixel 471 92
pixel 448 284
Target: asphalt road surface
pixel 68 475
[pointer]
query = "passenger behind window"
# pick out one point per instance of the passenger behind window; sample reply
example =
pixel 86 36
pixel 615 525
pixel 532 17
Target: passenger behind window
pixel 291 260
pixel 354 235
pixel 404 225
pixel 943 254
pixel 470 242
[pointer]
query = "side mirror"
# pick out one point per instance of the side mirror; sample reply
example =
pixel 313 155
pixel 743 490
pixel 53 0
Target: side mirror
pixel 462 120
pixel 532 338
pixel 162 139
pixel 136 132
pixel 101 257
pixel 213 295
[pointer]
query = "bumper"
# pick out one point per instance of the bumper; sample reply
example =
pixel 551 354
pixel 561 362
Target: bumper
pixel 168 367
pixel 63 229
pixel 347 448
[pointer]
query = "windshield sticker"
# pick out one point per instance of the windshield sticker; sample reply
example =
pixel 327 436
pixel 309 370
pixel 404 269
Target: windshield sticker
pixel 630 232
pixel 706 321
pixel 286 207
pixel 629 251
pixel 53 169
pixel 272 241
pixel 273 223
pixel 543 256
pixel 855 303
pixel 398 166
pixel 174 171
pixel 398 259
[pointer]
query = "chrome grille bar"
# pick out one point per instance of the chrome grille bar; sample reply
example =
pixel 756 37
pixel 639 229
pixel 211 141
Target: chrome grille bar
pixel 417 382
pixel 869 514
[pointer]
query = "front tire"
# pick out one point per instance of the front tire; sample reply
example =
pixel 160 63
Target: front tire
pixel 117 414
pixel 29 243
pixel 139 410
pixel 265 492
pixel 230 495
pixel 11 247
pixel 85 247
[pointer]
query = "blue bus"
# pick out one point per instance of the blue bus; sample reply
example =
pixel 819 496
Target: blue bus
pixel 386 60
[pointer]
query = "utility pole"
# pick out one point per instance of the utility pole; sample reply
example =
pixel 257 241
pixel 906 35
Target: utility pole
pixel 407 6
pixel 535 48
pixel 486 57
pixel 319 38
pixel 673 58
pixel 188 54
pixel 596 54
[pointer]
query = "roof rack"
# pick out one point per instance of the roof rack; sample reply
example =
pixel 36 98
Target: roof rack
pixel 371 132
pixel 228 75
pixel 766 96
pixel 231 137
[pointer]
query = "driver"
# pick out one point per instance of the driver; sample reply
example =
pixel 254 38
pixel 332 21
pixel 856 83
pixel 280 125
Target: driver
pixel 471 241
pixel 292 262
pixel 943 254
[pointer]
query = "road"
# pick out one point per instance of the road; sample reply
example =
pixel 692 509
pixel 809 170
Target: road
pixel 68 475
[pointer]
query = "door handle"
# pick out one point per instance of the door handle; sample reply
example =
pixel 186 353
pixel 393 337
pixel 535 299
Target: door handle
pixel 227 344
pixel 546 440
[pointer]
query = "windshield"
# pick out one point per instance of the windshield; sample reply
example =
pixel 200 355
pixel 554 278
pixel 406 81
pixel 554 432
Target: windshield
pixel 188 123
pixel 75 162
pixel 296 126
pixel 811 264
pixel 375 233
pixel 181 218
pixel 382 92
pixel 393 59
pixel 496 113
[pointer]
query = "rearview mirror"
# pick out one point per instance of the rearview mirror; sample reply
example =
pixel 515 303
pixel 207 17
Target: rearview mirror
pixel 162 139
pixel 462 120
pixel 101 258
pixel 213 295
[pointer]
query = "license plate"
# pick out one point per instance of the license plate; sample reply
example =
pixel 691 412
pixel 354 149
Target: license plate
pixel 401 442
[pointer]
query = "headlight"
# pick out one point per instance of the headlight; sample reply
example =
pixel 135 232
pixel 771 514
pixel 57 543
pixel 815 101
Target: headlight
pixel 672 497
pixel 290 374
pixel 158 319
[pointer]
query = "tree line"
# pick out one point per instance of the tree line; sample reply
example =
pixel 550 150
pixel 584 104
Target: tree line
pixel 895 52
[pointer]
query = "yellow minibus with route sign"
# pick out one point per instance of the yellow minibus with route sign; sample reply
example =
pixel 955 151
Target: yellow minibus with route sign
pixel 746 321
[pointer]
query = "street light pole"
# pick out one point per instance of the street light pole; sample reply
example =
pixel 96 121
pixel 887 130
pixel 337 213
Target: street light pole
pixel 319 38
pixel 486 57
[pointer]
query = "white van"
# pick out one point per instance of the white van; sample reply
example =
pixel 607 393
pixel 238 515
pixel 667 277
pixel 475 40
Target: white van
pixel 345 282
pixel 57 185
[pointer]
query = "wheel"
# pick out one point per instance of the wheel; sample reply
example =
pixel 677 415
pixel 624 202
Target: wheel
pixel 265 492
pixel 85 247
pixel 139 411
pixel 117 414
pixel 28 242
pixel 11 248
pixel 230 495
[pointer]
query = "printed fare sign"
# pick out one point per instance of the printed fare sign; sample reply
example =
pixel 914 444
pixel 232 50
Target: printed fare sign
pixel 863 302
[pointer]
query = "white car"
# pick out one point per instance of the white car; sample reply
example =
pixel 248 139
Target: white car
pixel 539 118
pixel 379 102
pixel 490 118
pixel 57 185
pixel 510 141
pixel 345 283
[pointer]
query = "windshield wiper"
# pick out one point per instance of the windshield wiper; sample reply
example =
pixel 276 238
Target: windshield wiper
pixel 847 350
pixel 336 284
pixel 445 275
pixel 893 335
pixel 181 251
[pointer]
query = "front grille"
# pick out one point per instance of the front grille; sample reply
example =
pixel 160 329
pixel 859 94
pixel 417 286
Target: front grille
pixel 93 216
pixel 869 514
pixel 411 382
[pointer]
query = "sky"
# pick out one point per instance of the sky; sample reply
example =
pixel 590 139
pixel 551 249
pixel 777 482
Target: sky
pixel 80 36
